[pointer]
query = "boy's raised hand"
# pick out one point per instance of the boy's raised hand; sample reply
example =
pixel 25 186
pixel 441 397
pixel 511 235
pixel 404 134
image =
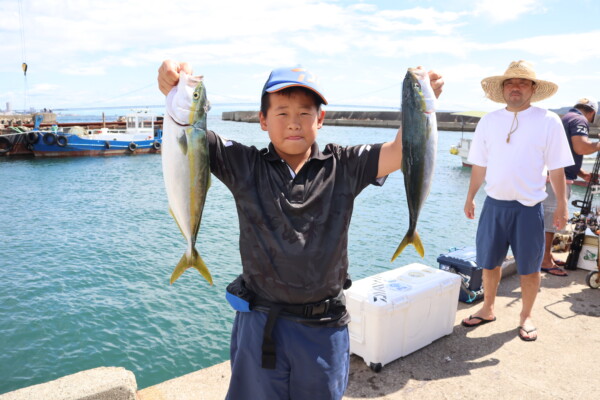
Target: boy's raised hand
pixel 168 74
pixel 437 82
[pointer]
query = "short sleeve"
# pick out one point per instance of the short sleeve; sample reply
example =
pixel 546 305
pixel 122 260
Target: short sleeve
pixel 478 153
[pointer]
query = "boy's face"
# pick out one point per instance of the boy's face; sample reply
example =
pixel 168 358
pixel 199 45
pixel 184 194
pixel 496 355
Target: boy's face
pixel 292 122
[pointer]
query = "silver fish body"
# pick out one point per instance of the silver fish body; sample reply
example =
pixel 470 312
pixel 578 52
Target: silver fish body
pixel 186 167
pixel 419 146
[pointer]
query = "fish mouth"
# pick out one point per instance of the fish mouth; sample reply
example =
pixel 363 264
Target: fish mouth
pixel 194 80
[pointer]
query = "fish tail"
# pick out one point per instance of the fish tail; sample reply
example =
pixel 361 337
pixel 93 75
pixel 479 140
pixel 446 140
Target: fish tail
pixel 413 239
pixel 195 261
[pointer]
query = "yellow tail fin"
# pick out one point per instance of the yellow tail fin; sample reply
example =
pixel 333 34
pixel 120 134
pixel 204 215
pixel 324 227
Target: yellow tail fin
pixel 415 240
pixel 195 261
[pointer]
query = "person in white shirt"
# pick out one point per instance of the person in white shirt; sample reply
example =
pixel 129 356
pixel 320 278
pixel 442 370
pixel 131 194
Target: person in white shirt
pixel 512 150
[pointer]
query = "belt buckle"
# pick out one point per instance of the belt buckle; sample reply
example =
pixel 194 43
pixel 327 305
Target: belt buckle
pixel 310 310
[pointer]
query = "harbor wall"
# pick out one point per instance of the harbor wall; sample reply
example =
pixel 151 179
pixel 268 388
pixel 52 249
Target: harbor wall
pixel 7 120
pixel 376 119
pixel 446 121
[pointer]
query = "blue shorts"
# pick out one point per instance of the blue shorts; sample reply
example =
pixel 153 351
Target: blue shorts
pixel 510 223
pixel 312 363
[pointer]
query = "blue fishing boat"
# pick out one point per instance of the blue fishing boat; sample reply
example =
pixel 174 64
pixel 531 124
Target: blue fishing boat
pixel 141 135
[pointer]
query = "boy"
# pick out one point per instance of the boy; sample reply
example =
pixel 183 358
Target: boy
pixel 294 205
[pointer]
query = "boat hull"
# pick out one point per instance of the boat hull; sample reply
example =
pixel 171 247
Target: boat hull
pixel 66 145
pixel 14 144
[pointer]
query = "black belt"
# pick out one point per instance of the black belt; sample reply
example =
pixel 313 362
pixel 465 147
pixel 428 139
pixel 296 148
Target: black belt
pixel 311 310
pixel 330 308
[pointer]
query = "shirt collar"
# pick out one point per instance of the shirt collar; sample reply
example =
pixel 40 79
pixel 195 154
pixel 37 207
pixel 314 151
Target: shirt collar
pixel 576 111
pixel 271 155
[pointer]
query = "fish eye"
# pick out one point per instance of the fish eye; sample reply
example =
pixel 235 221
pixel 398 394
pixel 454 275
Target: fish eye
pixel 196 95
pixel 417 86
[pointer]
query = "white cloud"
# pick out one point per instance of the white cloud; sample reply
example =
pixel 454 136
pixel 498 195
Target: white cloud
pixel 43 88
pixel 414 20
pixel 573 48
pixel 387 46
pixel 360 49
pixel 507 10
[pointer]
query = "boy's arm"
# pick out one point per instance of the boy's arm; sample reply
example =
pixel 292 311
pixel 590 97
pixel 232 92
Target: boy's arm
pixel 390 157
pixel 168 74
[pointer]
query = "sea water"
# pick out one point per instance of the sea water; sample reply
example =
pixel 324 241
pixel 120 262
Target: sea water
pixel 87 247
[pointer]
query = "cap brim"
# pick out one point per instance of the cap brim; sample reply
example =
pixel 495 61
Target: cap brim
pixel 284 85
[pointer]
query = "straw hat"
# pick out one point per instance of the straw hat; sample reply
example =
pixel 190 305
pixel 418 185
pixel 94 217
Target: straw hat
pixel 492 86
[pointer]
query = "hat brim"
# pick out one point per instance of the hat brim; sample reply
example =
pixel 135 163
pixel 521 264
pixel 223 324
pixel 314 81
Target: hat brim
pixel 285 85
pixel 493 89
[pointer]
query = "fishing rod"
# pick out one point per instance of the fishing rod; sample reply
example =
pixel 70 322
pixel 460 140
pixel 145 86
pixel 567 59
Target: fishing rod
pixel 582 220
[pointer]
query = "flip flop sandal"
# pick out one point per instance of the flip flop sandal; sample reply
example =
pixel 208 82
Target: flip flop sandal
pixel 553 270
pixel 528 332
pixel 482 321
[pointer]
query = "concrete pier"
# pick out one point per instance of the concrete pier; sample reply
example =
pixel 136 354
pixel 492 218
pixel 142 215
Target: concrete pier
pixel 104 383
pixel 487 362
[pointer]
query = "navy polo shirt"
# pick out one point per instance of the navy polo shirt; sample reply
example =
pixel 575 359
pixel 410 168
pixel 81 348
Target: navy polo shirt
pixel 575 124
pixel 294 229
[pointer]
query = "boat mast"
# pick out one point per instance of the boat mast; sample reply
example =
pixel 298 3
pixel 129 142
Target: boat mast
pixel 23 54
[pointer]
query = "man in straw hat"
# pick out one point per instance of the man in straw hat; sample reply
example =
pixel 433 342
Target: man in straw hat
pixel 511 150
pixel 577 126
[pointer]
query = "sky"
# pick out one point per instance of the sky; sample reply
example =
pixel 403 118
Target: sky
pixel 84 53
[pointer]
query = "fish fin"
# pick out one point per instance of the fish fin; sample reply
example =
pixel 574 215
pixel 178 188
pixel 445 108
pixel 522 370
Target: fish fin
pixel 182 141
pixel 182 265
pixel 195 262
pixel 418 245
pixel 198 264
pixel 415 240
pixel 177 222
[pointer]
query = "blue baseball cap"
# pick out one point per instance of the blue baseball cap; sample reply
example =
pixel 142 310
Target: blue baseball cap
pixel 282 78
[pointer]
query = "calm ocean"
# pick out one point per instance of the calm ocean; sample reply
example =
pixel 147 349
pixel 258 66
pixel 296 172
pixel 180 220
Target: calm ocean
pixel 87 247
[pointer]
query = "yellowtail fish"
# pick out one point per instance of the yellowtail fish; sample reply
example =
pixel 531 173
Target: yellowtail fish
pixel 419 146
pixel 185 164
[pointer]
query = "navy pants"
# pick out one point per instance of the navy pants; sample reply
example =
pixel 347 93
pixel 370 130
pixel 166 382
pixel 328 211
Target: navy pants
pixel 312 363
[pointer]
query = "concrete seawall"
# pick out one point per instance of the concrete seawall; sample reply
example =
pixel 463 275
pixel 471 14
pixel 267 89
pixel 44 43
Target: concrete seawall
pixel 385 119
pixel 375 119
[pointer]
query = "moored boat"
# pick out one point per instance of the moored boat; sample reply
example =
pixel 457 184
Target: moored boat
pixel 141 135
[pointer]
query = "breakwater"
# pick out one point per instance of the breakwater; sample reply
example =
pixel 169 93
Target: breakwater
pixel 447 121
pixel 377 119
pixel 7 120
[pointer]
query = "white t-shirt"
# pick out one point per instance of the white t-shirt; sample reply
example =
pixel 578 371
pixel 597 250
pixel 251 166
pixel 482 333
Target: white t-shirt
pixel 517 170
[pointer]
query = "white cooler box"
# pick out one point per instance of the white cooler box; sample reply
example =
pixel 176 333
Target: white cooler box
pixel 400 311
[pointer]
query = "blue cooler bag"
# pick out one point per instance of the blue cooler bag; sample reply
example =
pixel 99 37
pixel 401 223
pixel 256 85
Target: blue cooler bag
pixel 463 263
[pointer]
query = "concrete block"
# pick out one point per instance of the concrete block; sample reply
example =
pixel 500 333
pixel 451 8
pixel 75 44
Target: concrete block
pixel 103 383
